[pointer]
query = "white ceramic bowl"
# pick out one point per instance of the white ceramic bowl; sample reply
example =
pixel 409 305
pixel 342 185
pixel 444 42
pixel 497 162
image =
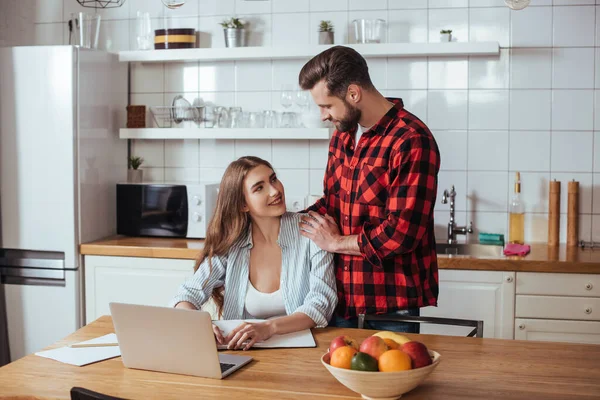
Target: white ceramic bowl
pixel 382 385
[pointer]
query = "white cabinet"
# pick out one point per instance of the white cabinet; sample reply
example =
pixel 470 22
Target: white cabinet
pixel 557 330
pixel 558 307
pixel 488 296
pixel 147 281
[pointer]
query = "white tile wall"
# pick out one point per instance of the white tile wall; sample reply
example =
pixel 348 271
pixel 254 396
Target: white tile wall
pixel 487 151
pixel 488 109
pixel 489 72
pixel 453 146
pixel 573 68
pixel 533 109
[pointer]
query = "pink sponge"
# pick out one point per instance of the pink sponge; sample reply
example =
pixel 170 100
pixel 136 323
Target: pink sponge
pixel 514 249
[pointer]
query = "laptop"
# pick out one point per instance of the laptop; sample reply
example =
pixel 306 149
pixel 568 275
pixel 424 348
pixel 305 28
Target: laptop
pixel 171 340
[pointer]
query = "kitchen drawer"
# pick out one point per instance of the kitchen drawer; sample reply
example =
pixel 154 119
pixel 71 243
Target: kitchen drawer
pixel 554 307
pixel 583 285
pixel 557 331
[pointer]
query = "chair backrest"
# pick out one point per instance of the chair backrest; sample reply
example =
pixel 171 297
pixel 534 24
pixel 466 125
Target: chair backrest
pixel 477 332
pixel 79 393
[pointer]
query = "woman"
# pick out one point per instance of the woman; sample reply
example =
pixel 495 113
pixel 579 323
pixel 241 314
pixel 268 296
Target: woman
pixel 255 263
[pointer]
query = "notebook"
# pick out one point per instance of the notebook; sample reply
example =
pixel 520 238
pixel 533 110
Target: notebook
pixel 85 355
pixel 302 338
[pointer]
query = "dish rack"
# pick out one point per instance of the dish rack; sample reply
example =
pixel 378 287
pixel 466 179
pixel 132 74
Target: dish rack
pixel 168 116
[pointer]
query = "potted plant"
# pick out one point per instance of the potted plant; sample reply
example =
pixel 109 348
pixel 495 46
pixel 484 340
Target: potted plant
pixel 134 174
pixel 235 32
pixel 446 35
pixel 325 32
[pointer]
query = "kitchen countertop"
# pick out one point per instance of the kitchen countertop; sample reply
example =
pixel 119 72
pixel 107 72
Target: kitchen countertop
pixel 470 368
pixel 541 259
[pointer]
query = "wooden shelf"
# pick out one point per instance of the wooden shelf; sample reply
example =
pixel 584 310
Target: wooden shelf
pixel 221 133
pixel 291 52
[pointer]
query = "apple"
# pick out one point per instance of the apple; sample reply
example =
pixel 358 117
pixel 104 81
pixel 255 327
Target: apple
pixel 341 341
pixel 418 353
pixel 373 346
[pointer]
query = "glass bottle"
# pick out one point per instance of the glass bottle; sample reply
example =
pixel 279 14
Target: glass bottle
pixel 517 215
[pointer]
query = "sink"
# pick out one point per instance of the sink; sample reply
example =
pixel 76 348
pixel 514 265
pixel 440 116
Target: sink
pixel 468 249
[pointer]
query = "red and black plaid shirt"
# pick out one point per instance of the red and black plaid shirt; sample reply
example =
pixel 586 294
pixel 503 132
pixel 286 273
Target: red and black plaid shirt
pixel 384 191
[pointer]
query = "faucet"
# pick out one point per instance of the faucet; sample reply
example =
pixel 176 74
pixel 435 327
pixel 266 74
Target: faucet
pixel 454 230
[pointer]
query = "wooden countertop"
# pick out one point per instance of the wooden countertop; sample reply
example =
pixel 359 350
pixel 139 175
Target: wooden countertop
pixel 470 368
pixel 541 259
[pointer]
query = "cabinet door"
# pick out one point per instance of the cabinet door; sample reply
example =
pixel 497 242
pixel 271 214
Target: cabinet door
pixel 488 296
pixel 147 281
pixel 557 331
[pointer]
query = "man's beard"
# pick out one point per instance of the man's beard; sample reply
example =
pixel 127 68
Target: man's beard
pixel 351 118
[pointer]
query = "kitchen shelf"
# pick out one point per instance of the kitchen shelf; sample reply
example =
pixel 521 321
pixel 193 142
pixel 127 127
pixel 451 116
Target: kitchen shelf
pixel 223 133
pixel 291 52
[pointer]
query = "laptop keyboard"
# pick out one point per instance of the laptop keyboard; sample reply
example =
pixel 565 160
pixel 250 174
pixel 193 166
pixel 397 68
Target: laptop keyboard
pixel 225 367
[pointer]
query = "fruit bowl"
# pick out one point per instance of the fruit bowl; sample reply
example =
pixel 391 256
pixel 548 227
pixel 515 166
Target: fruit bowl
pixel 381 385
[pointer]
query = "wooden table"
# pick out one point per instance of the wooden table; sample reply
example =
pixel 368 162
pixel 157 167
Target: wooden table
pixel 470 368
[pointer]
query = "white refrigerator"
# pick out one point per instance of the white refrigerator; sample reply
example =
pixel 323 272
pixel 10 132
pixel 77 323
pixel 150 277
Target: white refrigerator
pixel 60 159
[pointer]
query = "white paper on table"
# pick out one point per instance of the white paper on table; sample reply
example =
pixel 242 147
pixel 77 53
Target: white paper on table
pixel 302 338
pixel 84 355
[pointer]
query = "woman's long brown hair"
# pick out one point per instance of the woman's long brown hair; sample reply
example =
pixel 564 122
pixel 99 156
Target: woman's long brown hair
pixel 229 221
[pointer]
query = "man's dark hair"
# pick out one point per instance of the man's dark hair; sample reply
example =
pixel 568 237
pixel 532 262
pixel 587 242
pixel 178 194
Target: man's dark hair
pixel 340 67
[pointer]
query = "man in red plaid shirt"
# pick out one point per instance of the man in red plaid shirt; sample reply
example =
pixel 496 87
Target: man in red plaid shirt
pixel 380 189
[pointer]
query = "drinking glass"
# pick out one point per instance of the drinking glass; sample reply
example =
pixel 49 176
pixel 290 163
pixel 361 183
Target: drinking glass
pixel 287 96
pixel 257 120
pixel 302 99
pixel 210 116
pixel 236 117
pixel 288 120
pixel 144 31
pixel 222 117
pixel 89 30
pixel 270 119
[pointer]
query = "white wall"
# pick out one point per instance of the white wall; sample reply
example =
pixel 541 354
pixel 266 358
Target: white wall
pixel 533 109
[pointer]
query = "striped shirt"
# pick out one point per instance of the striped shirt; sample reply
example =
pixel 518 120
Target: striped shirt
pixel 307 277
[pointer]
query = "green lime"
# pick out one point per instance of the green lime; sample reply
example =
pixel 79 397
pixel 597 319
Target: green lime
pixel 363 362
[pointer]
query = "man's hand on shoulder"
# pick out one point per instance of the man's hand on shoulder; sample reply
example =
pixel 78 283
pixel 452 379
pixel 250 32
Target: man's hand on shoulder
pixel 321 229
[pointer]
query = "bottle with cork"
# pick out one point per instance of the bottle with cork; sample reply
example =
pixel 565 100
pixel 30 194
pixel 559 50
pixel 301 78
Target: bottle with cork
pixel 517 214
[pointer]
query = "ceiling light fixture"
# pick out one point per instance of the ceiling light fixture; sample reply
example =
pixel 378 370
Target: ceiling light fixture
pixel 517 4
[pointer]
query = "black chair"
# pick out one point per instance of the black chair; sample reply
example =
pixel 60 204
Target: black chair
pixel 477 332
pixel 79 393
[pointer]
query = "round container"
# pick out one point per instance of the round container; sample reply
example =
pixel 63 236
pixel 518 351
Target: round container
pixel 178 38
pixel 381 385
pixel 235 37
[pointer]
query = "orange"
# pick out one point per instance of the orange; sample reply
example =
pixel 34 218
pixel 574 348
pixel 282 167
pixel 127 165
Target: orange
pixel 342 357
pixel 392 345
pixel 394 360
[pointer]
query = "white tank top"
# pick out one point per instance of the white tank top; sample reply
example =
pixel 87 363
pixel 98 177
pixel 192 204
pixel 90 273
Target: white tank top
pixel 264 305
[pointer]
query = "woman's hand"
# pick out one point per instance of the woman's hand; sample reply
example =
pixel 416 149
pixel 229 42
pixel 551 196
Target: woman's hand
pixel 245 335
pixel 218 335
pixel 186 305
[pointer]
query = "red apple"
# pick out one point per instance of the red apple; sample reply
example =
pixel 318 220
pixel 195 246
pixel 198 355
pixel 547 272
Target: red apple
pixel 418 353
pixel 341 341
pixel 373 346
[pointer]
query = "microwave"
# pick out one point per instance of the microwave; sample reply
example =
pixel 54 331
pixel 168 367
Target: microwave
pixel 165 210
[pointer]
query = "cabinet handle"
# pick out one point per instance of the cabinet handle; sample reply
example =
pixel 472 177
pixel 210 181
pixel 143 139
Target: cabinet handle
pixel 522 326
pixel 509 279
pixel 588 310
pixel 588 286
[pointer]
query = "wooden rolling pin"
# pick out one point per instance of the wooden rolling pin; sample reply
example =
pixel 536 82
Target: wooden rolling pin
pixel 573 214
pixel 554 214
